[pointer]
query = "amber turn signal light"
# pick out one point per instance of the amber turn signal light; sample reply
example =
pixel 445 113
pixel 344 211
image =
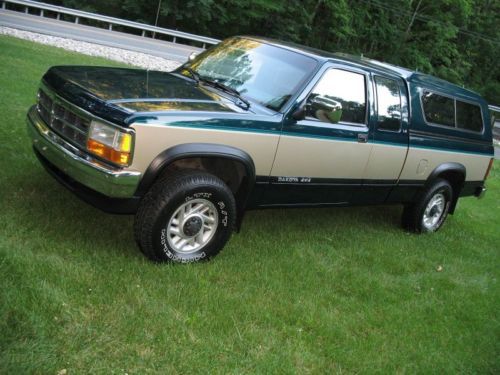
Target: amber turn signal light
pixel 108 153
pixel 109 143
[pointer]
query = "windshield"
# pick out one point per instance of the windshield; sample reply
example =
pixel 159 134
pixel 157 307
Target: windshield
pixel 261 72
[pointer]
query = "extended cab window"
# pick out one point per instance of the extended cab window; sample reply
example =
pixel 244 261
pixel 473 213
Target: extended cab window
pixel 469 117
pixel 388 104
pixel 441 110
pixel 340 96
pixel 438 109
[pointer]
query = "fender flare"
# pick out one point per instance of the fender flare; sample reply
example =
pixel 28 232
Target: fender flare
pixel 445 168
pixel 193 150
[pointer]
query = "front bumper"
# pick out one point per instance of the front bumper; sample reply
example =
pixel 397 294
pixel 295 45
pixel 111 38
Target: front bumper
pixel 76 166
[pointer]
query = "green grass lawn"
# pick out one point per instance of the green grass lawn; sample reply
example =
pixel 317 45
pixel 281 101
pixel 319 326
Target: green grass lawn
pixel 297 291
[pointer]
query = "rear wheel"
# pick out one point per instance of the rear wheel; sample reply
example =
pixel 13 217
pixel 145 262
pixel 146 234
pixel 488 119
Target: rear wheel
pixel 186 217
pixel 429 211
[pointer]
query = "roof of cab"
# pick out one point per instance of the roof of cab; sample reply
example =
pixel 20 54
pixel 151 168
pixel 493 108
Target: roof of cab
pixel 417 78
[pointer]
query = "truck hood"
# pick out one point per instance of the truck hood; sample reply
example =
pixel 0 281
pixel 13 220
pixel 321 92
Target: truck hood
pixel 117 93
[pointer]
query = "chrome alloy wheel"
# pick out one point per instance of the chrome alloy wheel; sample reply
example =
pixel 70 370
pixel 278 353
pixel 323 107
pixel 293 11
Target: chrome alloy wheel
pixel 192 226
pixel 434 211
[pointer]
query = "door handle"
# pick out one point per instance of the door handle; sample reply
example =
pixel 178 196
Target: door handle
pixel 362 138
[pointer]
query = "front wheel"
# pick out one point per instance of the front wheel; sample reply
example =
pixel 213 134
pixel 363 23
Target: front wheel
pixel 429 211
pixel 186 217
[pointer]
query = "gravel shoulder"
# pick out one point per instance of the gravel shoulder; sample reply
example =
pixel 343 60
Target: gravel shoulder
pixel 138 59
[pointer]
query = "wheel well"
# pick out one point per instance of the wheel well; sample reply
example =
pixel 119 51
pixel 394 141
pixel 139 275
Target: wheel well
pixel 229 171
pixel 456 180
pixel 232 165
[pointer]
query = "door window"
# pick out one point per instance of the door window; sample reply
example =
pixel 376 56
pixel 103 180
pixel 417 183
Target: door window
pixel 340 96
pixel 388 104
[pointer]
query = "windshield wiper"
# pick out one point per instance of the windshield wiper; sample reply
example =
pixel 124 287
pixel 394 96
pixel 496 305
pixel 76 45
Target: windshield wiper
pixel 226 88
pixel 194 74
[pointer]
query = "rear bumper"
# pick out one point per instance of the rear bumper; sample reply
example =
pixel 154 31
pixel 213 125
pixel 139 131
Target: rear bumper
pixel 109 189
pixel 480 192
pixel 473 188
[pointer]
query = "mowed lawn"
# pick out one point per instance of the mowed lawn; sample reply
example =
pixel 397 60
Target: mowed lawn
pixel 297 291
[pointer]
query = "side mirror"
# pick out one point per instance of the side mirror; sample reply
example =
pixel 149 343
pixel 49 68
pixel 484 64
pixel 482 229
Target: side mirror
pixel 324 109
pixel 192 56
pixel 300 113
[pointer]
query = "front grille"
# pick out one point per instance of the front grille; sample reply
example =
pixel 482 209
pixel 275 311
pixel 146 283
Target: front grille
pixel 63 120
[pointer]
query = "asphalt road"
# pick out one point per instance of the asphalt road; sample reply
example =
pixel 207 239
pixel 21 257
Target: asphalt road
pixel 49 26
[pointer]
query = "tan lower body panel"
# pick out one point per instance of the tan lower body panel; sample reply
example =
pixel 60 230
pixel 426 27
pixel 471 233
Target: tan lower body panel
pixel 309 157
pixel 421 162
pixel 386 162
pixel 321 158
pixel 151 140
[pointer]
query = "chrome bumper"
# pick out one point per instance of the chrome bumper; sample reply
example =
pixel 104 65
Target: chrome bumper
pixel 83 168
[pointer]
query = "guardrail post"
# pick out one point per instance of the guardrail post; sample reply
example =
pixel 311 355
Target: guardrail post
pixel 41 12
pixel 3 4
pixel 26 10
pixel 110 28
pixel 203 46
pixel 175 39
pixel 143 33
pixel 58 16
pixel 77 19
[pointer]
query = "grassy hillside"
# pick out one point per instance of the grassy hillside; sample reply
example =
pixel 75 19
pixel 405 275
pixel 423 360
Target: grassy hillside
pixel 297 291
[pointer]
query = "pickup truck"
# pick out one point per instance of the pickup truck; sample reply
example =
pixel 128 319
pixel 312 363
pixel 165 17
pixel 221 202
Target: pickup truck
pixel 255 123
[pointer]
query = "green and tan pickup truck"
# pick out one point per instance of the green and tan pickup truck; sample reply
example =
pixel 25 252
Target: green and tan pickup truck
pixel 254 123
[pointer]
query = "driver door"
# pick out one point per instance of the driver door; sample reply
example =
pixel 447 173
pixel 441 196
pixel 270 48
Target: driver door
pixel 321 158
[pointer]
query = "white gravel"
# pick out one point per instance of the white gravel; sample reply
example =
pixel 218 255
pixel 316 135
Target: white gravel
pixel 138 59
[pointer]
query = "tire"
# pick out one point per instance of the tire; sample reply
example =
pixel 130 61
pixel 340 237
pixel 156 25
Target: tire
pixel 187 216
pixel 429 211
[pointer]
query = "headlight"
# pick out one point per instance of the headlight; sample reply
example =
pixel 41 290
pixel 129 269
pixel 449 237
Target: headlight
pixel 110 143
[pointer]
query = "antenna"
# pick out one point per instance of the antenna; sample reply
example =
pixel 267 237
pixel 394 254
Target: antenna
pixel 157 15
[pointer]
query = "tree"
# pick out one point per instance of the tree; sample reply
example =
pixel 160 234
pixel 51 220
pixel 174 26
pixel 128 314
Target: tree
pixel 458 40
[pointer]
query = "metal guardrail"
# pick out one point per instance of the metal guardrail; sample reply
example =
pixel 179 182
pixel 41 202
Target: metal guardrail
pixel 495 112
pixel 494 108
pixel 78 14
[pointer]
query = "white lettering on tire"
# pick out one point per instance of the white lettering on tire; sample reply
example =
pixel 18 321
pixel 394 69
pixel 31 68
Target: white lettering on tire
pixel 175 257
pixel 198 195
pixel 224 219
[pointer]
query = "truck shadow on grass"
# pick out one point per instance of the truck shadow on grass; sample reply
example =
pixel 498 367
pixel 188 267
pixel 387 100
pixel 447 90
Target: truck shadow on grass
pixel 374 218
pixel 47 209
